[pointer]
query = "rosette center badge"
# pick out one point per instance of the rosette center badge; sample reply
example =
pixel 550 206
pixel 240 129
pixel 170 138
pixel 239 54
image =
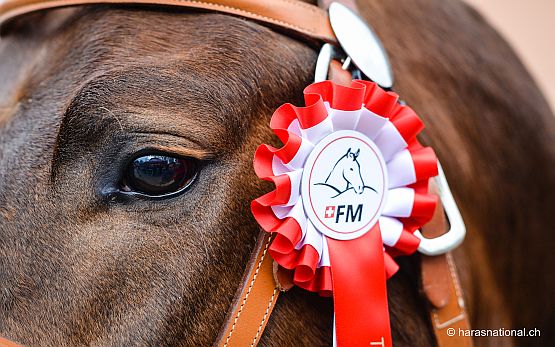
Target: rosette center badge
pixel 345 185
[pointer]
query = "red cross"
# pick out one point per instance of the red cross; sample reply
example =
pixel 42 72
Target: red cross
pixel 330 212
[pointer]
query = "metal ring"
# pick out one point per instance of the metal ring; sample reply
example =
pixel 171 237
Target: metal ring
pixel 457 231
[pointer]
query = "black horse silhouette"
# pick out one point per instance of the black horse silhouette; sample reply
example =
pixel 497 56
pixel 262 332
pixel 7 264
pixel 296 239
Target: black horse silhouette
pixel 345 175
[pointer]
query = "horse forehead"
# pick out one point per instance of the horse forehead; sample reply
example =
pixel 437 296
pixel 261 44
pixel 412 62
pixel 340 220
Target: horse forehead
pixel 158 57
pixel 227 58
pixel 209 40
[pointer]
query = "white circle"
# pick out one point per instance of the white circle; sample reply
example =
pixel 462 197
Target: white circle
pixel 344 185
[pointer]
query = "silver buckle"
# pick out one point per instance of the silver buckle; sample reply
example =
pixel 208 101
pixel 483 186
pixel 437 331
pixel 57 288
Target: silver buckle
pixel 457 231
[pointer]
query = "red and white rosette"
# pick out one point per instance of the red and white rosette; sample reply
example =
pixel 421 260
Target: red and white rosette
pixel 351 188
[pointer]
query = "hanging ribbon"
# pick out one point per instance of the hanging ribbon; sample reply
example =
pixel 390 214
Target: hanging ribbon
pixel 351 188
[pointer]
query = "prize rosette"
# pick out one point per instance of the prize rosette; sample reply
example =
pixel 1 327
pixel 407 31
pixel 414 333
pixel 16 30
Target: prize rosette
pixel 351 187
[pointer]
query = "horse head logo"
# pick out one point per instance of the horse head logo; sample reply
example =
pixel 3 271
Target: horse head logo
pixel 345 174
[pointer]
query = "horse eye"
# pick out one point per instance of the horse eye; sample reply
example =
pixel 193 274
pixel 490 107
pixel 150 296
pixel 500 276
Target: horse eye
pixel 352 169
pixel 159 175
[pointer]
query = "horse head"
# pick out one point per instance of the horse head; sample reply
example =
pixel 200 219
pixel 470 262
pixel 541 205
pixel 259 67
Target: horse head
pixel 95 250
pixel 350 170
pixel 116 250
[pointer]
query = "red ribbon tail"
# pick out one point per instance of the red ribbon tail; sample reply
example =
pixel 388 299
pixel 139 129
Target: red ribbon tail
pixel 359 291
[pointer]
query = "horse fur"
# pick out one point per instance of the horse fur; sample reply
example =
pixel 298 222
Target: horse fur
pixel 84 89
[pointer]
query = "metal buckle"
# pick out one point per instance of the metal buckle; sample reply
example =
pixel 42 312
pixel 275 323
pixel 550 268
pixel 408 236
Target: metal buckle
pixel 457 231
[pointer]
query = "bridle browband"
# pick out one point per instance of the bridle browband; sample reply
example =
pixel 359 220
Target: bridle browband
pixel 262 283
pixel 294 17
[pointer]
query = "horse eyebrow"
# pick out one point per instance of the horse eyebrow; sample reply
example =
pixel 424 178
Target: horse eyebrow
pixel 152 100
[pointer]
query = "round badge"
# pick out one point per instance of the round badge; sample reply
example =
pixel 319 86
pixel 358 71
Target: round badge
pixel 345 185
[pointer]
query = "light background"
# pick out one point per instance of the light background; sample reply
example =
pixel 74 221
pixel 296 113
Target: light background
pixel 529 26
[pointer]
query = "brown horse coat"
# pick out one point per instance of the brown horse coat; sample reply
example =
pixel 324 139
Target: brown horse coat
pixel 83 90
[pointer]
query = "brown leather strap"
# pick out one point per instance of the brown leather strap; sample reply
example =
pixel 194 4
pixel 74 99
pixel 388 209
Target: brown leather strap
pixel 305 20
pixel 7 343
pixel 254 301
pixel 441 286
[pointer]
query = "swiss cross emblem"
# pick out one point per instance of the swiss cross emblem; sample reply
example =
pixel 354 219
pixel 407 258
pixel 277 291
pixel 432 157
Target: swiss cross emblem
pixel 330 212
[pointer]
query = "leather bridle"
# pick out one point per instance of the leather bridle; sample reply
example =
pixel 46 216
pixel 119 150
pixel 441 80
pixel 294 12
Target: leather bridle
pixel 262 283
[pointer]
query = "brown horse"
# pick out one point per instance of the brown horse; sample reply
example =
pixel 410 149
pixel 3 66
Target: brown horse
pixel 85 90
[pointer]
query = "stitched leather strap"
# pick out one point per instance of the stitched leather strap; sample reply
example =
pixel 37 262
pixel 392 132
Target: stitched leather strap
pixel 254 301
pixel 296 17
pixel 441 286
